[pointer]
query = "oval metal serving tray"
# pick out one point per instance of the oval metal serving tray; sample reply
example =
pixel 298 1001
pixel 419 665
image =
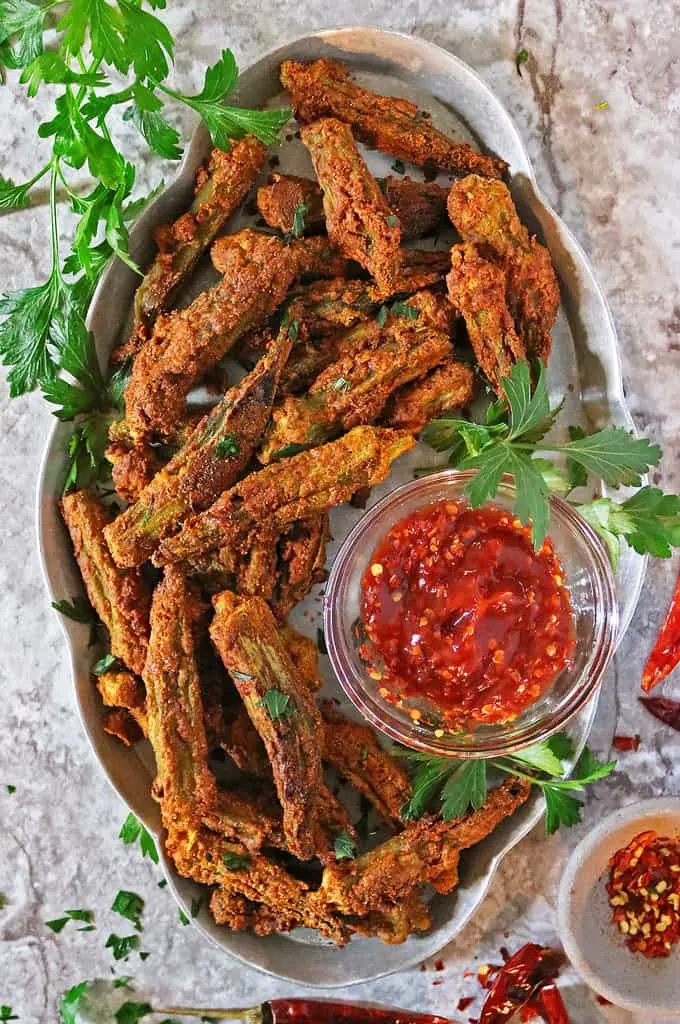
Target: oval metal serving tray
pixel 585 365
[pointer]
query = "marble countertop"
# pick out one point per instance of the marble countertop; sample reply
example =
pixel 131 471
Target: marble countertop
pixel 614 175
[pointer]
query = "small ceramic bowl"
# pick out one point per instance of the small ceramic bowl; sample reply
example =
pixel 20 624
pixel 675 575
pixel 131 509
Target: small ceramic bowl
pixel 591 940
pixel 591 586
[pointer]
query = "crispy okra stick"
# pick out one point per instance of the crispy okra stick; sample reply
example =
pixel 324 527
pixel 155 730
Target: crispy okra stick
pixel 389 124
pixel 221 186
pixel 355 390
pixel 447 387
pixel 211 860
pixel 120 599
pixel 483 212
pixel 213 458
pixel 358 220
pixel 184 784
pixel 477 288
pixel 259 270
pixel 247 638
pixel 419 206
pixel 352 748
pixel 290 203
pixel 301 562
pixel 268 502
pixel 124 690
pixel 426 851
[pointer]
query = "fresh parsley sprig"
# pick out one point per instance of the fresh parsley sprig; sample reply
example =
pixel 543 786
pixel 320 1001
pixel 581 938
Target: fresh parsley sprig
pixel 43 338
pixel 461 785
pixel 510 442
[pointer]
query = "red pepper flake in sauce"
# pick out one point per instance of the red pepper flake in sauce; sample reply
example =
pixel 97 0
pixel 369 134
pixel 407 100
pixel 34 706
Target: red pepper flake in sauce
pixel 644 893
pixel 459 609
pixel 626 742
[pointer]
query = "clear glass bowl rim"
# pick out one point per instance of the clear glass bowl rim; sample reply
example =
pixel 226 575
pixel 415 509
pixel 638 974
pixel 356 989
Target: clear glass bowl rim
pixel 511 736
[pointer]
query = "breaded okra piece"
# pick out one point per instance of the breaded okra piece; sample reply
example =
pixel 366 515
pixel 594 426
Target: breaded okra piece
pixel 221 185
pixel 214 457
pixel 358 220
pixel 355 390
pixel 301 562
pixel 352 748
pixel 390 124
pixel 123 690
pixel 426 851
pixel 419 206
pixel 185 786
pixel 477 288
pixel 247 638
pixel 259 270
pixel 211 860
pixel 268 502
pixel 447 387
pixel 483 212
pixel 120 599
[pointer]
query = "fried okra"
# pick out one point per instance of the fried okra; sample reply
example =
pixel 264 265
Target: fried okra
pixel 483 212
pixel 258 271
pixel 396 126
pixel 268 502
pixel 358 220
pixel 247 638
pixel 354 390
pixel 477 288
pixel 419 206
pixel 413 406
pixel 221 186
pixel 213 458
pixel 120 599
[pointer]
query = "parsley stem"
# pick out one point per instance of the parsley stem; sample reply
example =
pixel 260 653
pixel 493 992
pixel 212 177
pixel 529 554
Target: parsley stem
pixel 54 225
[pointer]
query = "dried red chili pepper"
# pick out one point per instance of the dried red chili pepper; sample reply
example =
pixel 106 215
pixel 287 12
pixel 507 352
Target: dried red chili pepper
pixel 626 742
pixel 665 709
pixel 665 654
pixel 517 982
pixel 320 1011
pixel 548 1004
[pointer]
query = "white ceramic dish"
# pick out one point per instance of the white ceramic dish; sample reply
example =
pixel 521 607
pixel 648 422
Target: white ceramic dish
pixel 593 944
pixel 585 365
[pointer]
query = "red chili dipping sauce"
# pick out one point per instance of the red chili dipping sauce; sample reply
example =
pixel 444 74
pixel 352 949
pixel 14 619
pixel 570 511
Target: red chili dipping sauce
pixel 459 609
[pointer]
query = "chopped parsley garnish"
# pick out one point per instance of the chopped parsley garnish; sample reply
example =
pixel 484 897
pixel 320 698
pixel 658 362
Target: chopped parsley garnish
pixel 104 664
pixel 241 676
pixel 398 166
pixel 341 384
pixel 163 883
pixel 521 57
pixel 183 917
pixel 293 328
pixel 227 446
pixel 130 1013
pixel 58 924
pixel 132 830
pixel 345 848
pixel 288 449
pixel 10 788
pixel 122 946
pixel 299 215
pixel 403 309
pixel 381 316
pixel 6 1013
pixel 236 861
pixel 393 220
pixel 70 1001
pixel 123 981
pixel 278 704
pixel 79 609
pixel 130 906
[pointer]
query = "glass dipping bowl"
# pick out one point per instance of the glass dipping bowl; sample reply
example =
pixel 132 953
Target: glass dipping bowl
pixel 590 583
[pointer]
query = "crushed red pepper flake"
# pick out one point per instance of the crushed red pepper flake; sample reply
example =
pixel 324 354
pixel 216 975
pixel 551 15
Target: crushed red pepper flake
pixel 644 893
pixel 464 1002
pixel 626 742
